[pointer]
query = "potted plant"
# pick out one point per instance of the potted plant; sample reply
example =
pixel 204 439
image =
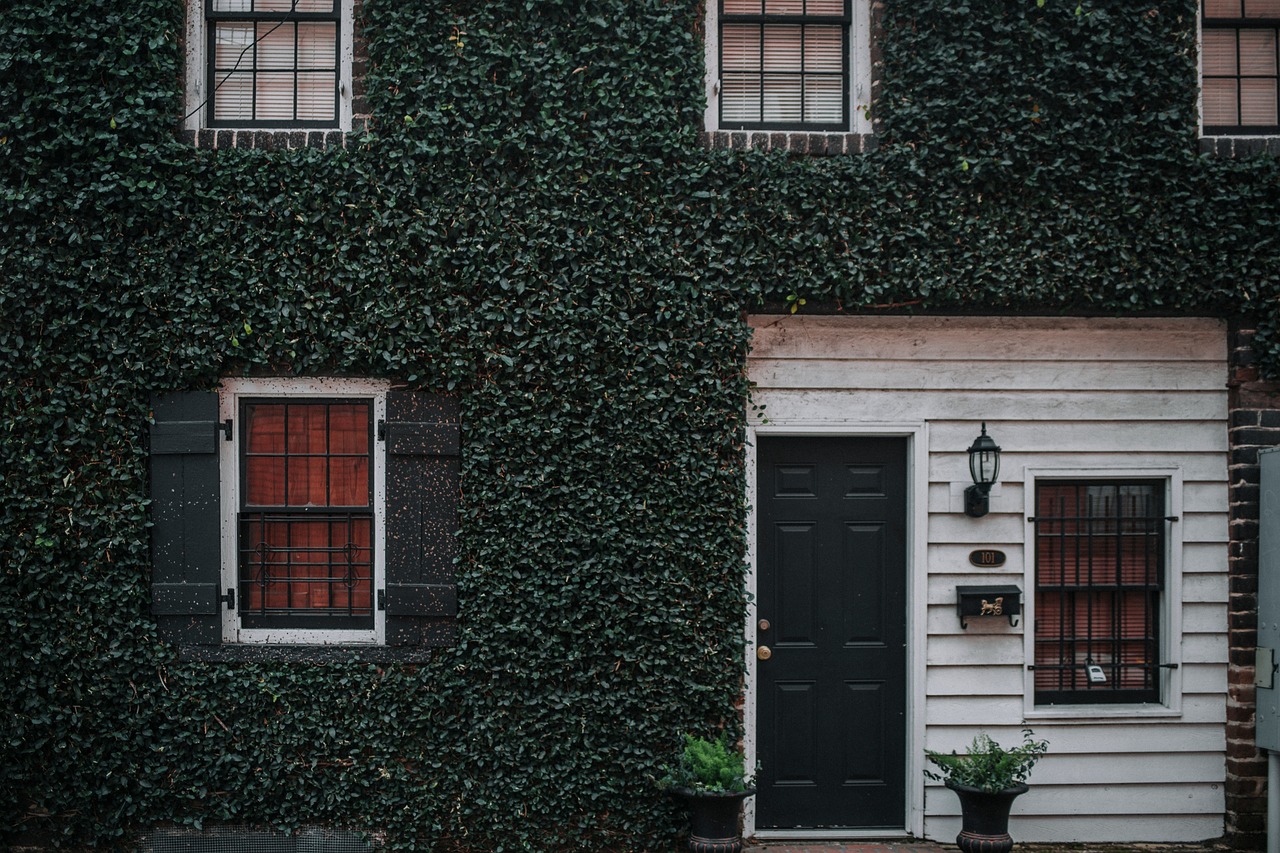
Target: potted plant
pixel 987 780
pixel 710 778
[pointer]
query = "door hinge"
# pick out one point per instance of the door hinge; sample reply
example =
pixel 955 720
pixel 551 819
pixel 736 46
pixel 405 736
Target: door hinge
pixel 229 598
pixel 225 429
pixel 382 599
pixel 382 430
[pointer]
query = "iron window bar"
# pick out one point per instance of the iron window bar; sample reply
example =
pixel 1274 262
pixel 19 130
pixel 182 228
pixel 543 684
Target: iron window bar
pixel 260 565
pixel 1102 569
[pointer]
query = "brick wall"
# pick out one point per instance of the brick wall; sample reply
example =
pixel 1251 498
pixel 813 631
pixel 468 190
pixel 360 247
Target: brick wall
pixel 1254 424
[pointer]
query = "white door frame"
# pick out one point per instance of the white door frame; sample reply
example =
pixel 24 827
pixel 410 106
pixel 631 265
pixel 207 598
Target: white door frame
pixel 917 583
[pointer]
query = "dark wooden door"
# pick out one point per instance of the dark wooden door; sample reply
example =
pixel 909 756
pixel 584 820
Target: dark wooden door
pixel 831 589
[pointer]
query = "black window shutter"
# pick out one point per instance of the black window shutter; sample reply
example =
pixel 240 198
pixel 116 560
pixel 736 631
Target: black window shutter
pixel 423 440
pixel 186 563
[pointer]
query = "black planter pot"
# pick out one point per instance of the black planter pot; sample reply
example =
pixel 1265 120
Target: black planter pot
pixel 714 819
pixel 985 818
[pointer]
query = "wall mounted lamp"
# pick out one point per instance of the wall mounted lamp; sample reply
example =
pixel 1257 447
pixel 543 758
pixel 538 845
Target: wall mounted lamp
pixel 984 467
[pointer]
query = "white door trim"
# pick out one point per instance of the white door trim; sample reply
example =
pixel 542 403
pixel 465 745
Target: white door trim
pixel 917 435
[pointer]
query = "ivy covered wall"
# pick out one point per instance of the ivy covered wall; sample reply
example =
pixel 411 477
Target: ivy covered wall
pixel 533 223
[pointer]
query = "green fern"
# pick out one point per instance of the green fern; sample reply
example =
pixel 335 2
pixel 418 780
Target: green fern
pixel 708 765
pixel 989 766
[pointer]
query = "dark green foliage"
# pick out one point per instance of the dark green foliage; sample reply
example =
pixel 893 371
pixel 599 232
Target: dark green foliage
pixel 707 765
pixel 987 765
pixel 531 225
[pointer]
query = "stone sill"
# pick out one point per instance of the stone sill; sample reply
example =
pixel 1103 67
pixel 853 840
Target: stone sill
pixel 1239 146
pixel 270 140
pixel 809 144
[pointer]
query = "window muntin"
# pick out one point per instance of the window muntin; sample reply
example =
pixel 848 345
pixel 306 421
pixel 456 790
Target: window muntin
pixel 1100 552
pixel 1240 66
pixel 784 64
pixel 273 63
pixel 305 520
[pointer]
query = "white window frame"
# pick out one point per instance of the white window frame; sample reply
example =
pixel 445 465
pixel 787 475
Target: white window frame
pixel 229 396
pixel 196 106
pixel 1170 602
pixel 859 70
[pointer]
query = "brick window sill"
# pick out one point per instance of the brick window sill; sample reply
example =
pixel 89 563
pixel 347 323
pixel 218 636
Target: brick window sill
pixel 269 140
pixel 810 144
pixel 1239 146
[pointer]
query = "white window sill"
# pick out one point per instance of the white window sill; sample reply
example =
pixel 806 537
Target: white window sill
pixel 1101 713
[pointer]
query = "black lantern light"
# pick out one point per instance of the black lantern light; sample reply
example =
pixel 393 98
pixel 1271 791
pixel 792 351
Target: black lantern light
pixel 984 467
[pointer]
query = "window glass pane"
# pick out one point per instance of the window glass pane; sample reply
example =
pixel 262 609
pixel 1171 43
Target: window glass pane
pixel 1219 102
pixel 740 47
pixel 823 99
pixel 784 7
pixel 274 93
pixel 1258 52
pixel 825 7
pixel 349 481
pixel 317 46
pixel 306 565
pixel 782 98
pixel 740 98
pixel 308 481
pixel 348 428
pixel 1258 102
pixel 232 44
pixel 264 428
pixel 294 5
pixel 308 428
pixel 264 477
pixel 275 46
pixel 232 5
pixel 742 7
pixel 782 48
pixel 1219 52
pixel 823 49
pixel 1262 8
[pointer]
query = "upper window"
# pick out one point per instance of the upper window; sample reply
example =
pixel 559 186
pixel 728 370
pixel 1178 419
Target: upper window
pixel 304 512
pixel 269 64
pixel 800 65
pixel 1239 66
pixel 1100 564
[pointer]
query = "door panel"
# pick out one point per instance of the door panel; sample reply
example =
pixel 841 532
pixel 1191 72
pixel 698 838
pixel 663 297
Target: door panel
pixel 831 583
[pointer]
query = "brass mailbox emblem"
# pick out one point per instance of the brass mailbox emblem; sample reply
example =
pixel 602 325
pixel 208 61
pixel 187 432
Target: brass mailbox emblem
pixel 992 608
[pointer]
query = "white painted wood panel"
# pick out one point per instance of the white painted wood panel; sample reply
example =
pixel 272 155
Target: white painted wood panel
pixel 980 375
pixel 999 339
pixel 1097 829
pixel 996 406
pixel 1062 394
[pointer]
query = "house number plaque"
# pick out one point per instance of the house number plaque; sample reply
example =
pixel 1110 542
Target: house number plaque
pixel 987 558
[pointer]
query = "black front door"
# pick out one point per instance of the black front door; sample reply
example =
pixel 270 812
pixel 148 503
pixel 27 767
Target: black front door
pixel 831 589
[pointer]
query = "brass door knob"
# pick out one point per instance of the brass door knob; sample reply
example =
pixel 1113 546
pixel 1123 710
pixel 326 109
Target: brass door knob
pixel 764 624
pixel 764 652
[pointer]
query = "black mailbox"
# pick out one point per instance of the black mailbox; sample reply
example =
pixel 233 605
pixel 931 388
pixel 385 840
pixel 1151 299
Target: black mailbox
pixel 984 601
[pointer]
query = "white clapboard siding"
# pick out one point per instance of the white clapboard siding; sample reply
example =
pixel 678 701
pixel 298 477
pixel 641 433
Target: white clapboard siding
pixel 1062 394
pixel 1087 407
pixel 1098 829
pixel 978 710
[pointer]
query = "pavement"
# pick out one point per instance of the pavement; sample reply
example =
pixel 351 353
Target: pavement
pixel 914 846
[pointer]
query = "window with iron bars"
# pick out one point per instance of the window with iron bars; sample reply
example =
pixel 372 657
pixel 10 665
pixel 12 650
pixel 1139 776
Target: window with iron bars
pixel 784 64
pixel 1100 559
pixel 305 526
pixel 1240 66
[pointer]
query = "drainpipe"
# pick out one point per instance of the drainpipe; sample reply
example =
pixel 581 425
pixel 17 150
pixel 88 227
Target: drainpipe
pixel 1273 802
